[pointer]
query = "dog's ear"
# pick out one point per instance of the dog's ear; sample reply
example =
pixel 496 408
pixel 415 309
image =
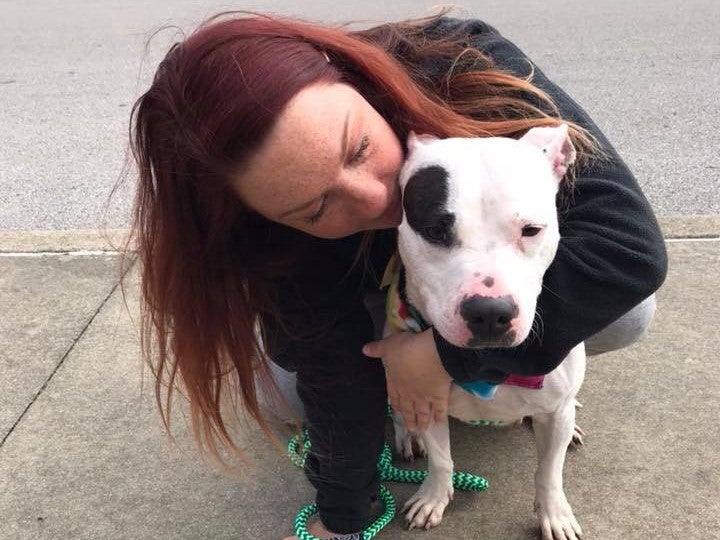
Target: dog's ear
pixel 415 141
pixel 555 144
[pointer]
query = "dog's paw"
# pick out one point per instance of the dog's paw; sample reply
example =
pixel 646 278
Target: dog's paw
pixel 557 521
pixel 425 508
pixel 577 438
pixel 409 444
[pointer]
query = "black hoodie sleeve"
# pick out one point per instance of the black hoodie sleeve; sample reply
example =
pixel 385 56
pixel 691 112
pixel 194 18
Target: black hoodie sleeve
pixel 611 254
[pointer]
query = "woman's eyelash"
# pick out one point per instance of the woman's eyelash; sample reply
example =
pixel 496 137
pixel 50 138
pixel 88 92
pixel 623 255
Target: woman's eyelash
pixel 317 215
pixel 364 143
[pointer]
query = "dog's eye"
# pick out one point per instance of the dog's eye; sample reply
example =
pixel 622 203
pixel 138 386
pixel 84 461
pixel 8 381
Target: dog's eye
pixel 436 232
pixel 530 230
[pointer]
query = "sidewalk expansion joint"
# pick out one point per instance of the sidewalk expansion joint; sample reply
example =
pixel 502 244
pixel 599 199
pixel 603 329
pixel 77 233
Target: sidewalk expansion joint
pixel 693 239
pixel 67 353
pixel 78 253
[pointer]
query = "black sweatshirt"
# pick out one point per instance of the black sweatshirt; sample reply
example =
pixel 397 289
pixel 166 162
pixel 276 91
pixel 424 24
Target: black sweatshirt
pixel 611 257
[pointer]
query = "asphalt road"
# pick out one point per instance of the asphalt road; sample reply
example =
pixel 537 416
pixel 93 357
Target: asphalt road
pixel 647 72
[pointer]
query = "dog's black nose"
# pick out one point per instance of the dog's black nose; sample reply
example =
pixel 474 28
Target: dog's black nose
pixel 488 318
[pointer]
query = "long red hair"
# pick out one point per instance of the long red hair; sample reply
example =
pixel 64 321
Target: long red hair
pixel 208 262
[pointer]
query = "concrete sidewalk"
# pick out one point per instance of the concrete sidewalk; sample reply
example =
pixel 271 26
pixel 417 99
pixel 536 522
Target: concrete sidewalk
pixel 83 456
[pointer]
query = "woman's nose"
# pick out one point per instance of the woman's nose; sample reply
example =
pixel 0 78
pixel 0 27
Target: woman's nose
pixel 367 193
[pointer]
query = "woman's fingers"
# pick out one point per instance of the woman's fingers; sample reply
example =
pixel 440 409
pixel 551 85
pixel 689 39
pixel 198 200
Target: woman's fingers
pixel 423 417
pixel 407 409
pixel 416 414
pixel 439 408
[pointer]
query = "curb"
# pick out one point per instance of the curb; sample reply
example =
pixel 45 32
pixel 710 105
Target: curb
pixel 682 227
pixel 47 241
pixel 690 226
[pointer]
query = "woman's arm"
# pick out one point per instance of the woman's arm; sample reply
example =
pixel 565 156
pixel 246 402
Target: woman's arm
pixel 611 254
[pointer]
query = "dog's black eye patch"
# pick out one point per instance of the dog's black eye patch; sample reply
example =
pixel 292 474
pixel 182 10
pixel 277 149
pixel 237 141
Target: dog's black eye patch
pixel 425 204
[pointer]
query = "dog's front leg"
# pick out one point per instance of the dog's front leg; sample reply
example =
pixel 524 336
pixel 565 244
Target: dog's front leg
pixel 553 433
pixel 425 508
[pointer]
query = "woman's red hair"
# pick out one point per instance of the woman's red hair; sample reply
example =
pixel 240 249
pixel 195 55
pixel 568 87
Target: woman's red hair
pixel 209 264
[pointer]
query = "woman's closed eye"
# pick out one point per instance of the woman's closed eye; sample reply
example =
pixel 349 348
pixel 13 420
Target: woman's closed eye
pixel 320 211
pixel 357 157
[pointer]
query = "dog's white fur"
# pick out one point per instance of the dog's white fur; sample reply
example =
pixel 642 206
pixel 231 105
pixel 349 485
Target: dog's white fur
pixel 497 186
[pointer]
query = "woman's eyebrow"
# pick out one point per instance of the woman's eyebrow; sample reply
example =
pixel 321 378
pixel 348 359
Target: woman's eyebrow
pixel 343 153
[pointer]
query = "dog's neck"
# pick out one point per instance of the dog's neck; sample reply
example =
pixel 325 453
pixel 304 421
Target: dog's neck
pixel 400 313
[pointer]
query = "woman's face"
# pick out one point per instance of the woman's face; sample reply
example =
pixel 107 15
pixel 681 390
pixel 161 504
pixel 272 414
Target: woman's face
pixel 329 167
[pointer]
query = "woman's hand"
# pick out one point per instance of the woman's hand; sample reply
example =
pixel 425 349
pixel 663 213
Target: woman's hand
pixel 418 386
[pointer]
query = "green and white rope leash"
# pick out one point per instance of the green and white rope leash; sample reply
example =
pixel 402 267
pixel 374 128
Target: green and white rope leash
pixel 388 472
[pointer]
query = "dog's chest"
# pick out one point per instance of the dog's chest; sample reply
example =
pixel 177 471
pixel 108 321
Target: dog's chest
pixel 509 405
pixel 512 403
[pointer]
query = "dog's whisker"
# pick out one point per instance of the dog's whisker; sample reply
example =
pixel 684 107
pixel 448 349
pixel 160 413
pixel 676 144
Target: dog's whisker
pixel 537 330
pixel 548 289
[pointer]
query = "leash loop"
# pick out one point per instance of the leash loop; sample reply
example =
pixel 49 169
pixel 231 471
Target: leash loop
pixel 387 472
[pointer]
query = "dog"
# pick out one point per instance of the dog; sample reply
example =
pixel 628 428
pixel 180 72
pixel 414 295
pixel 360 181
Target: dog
pixel 478 233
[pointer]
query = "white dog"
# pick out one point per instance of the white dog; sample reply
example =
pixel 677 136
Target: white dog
pixel 479 230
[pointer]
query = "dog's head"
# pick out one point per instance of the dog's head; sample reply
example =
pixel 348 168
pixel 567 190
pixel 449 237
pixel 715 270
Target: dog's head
pixel 480 229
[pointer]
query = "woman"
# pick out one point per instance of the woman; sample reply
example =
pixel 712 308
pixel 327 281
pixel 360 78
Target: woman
pixel 269 151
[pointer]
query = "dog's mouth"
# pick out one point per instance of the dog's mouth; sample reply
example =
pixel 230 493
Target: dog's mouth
pixel 461 335
pixel 505 341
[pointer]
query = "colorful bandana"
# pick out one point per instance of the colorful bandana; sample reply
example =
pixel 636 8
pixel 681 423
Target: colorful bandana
pixel 403 317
